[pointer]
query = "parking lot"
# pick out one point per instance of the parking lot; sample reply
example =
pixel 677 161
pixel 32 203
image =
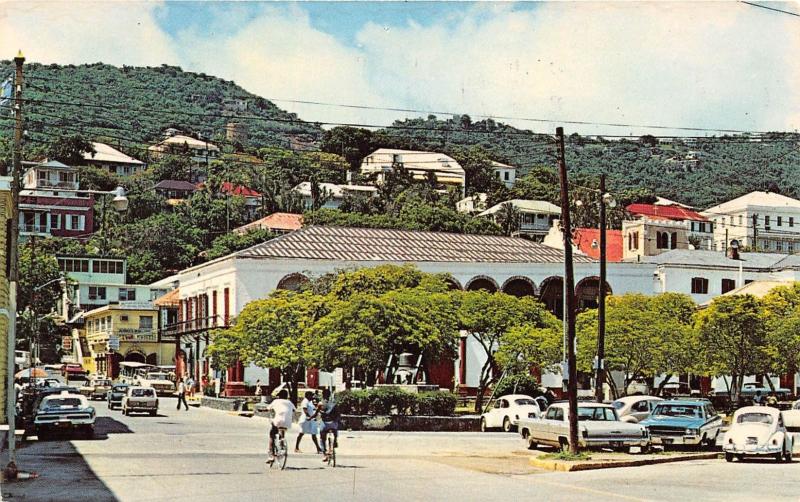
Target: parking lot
pixel 204 454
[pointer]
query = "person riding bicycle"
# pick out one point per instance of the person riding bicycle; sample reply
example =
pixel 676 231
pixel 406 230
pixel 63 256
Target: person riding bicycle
pixel 283 410
pixel 329 413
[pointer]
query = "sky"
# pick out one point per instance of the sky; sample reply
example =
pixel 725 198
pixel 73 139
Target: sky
pixel 716 65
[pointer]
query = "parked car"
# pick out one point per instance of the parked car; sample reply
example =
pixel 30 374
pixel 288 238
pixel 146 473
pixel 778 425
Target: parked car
pixel 64 411
pixel 140 399
pixel 638 387
pixel 684 422
pixel 758 431
pixel 507 411
pixel 796 405
pixel 73 370
pixel 598 427
pixel 749 391
pixel 96 388
pixel 115 395
pixel 30 399
pixel 634 409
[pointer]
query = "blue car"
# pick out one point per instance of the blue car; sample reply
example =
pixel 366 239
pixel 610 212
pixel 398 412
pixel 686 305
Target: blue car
pixel 684 422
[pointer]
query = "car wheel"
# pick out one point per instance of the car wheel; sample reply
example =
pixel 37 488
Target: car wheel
pixel 152 413
pixel 728 457
pixel 788 456
pixel 483 425
pixel 507 427
pixel 779 456
pixel 563 444
pixel 532 443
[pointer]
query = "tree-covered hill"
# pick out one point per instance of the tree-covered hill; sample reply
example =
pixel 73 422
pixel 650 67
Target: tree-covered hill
pixel 701 171
pixel 137 103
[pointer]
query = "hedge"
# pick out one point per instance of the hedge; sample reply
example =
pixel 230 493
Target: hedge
pixel 394 401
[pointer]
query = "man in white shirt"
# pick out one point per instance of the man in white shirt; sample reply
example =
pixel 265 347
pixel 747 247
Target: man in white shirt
pixel 182 394
pixel 283 415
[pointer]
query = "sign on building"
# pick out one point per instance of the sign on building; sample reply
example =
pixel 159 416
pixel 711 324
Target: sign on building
pixel 66 343
pixel 113 342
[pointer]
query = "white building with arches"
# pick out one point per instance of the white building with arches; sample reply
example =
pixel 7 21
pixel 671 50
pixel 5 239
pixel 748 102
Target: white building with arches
pixel 213 293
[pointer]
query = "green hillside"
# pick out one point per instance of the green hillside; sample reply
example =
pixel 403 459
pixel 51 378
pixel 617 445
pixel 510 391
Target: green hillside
pixel 697 171
pixel 137 103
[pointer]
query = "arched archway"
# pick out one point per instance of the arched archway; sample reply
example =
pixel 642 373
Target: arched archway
pixel 152 359
pixel 519 286
pixel 292 282
pixel 134 356
pixel 483 282
pixel 551 293
pixel 587 292
pixel 452 283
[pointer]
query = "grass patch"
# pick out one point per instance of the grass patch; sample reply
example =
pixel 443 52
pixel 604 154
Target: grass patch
pixel 566 455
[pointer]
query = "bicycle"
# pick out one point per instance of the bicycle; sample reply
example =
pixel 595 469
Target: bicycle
pixel 330 449
pixel 280 452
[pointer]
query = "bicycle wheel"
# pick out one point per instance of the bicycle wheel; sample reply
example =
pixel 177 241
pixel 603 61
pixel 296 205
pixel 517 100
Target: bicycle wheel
pixel 284 453
pixel 331 451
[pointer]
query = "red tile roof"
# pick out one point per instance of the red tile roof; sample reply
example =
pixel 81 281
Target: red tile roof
pixel 285 222
pixel 231 189
pixel 676 213
pixel 585 236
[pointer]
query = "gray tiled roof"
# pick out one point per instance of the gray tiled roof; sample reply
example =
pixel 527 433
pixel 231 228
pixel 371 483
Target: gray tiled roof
pixel 372 244
pixel 774 261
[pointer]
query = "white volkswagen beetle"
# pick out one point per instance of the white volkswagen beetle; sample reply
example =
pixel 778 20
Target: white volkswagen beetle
pixel 757 430
pixel 507 410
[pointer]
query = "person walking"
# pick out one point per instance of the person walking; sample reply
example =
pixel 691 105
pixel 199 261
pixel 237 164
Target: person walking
pixel 190 386
pixel 308 422
pixel 259 391
pixel 182 394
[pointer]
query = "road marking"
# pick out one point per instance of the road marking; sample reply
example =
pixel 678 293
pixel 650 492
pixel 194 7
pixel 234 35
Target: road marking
pixel 612 495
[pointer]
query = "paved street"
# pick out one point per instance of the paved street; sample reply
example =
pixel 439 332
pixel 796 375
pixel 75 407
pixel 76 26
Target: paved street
pixel 204 455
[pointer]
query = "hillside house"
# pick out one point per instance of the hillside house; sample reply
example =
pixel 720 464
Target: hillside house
pixel 334 193
pixel 505 173
pixel 535 216
pixel 109 158
pixel 420 165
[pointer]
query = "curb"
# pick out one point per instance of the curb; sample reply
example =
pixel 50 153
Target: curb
pixel 566 466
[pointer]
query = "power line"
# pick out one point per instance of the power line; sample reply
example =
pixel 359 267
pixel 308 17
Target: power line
pixel 760 6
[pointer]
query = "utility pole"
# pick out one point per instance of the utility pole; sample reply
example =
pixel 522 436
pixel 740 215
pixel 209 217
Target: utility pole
pixel 13 266
pixel 601 303
pixel 569 298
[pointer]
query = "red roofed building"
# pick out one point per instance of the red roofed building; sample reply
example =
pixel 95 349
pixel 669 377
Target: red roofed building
pixel 229 188
pixel 588 242
pixel 280 223
pixel 660 227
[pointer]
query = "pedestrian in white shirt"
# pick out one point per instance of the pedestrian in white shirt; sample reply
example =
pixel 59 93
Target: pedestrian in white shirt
pixel 283 415
pixel 182 394
pixel 308 422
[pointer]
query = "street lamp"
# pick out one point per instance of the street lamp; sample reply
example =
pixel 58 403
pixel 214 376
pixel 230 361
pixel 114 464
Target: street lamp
pixel 62 281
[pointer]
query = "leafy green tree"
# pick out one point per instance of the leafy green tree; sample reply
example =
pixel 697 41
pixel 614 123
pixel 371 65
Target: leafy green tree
pixel 734 339
pixel 37 268
pixel 377 281
pixel 228 243
pixel 529 346
pixel 273 333
pixel 645 336
pixel 508 217
pixel 70 149
pixel 782 317
pixel 352 143
pixel 488 317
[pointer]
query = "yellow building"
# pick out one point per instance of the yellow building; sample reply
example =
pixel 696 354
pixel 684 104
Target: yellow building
pixel 127 331
pixel 5 215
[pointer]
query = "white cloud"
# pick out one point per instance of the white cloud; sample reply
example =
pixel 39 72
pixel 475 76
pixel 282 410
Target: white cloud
pixel 85 32
pixel 278 54
pixel 712 65
pixel 724 65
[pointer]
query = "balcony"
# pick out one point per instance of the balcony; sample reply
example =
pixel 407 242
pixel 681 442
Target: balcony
pixel 193 326
pixel 32 228
pixel 57 185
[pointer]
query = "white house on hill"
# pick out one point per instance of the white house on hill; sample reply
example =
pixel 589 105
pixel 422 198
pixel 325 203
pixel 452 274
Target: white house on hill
pixel 447 171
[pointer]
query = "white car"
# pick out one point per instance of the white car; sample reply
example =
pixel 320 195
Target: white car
pixel 509 409
pixel 634 409
pixel 757 431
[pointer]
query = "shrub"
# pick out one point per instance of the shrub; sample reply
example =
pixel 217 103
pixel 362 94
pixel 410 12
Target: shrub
pixel 352 402
pixel 519 383
pixel 388 400
pixel 438 403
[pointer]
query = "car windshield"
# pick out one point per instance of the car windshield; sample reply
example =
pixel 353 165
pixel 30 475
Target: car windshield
pixel 156 376
pixel 598 414
pixel 618 405
pixel 754 418
pixel 525 402
pixel 142 392
pixel 62 402
pixel 678 410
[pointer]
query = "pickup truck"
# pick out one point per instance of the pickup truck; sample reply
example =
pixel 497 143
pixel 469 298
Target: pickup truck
pixel 598 427
pixel 140 399
pixel 96 388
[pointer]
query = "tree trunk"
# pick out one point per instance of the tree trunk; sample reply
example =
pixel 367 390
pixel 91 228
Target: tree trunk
pixel 612 385
pixel 733 391
pixel 769 382
pixel 666 379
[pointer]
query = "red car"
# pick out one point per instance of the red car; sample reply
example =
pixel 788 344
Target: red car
pixel 72 370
